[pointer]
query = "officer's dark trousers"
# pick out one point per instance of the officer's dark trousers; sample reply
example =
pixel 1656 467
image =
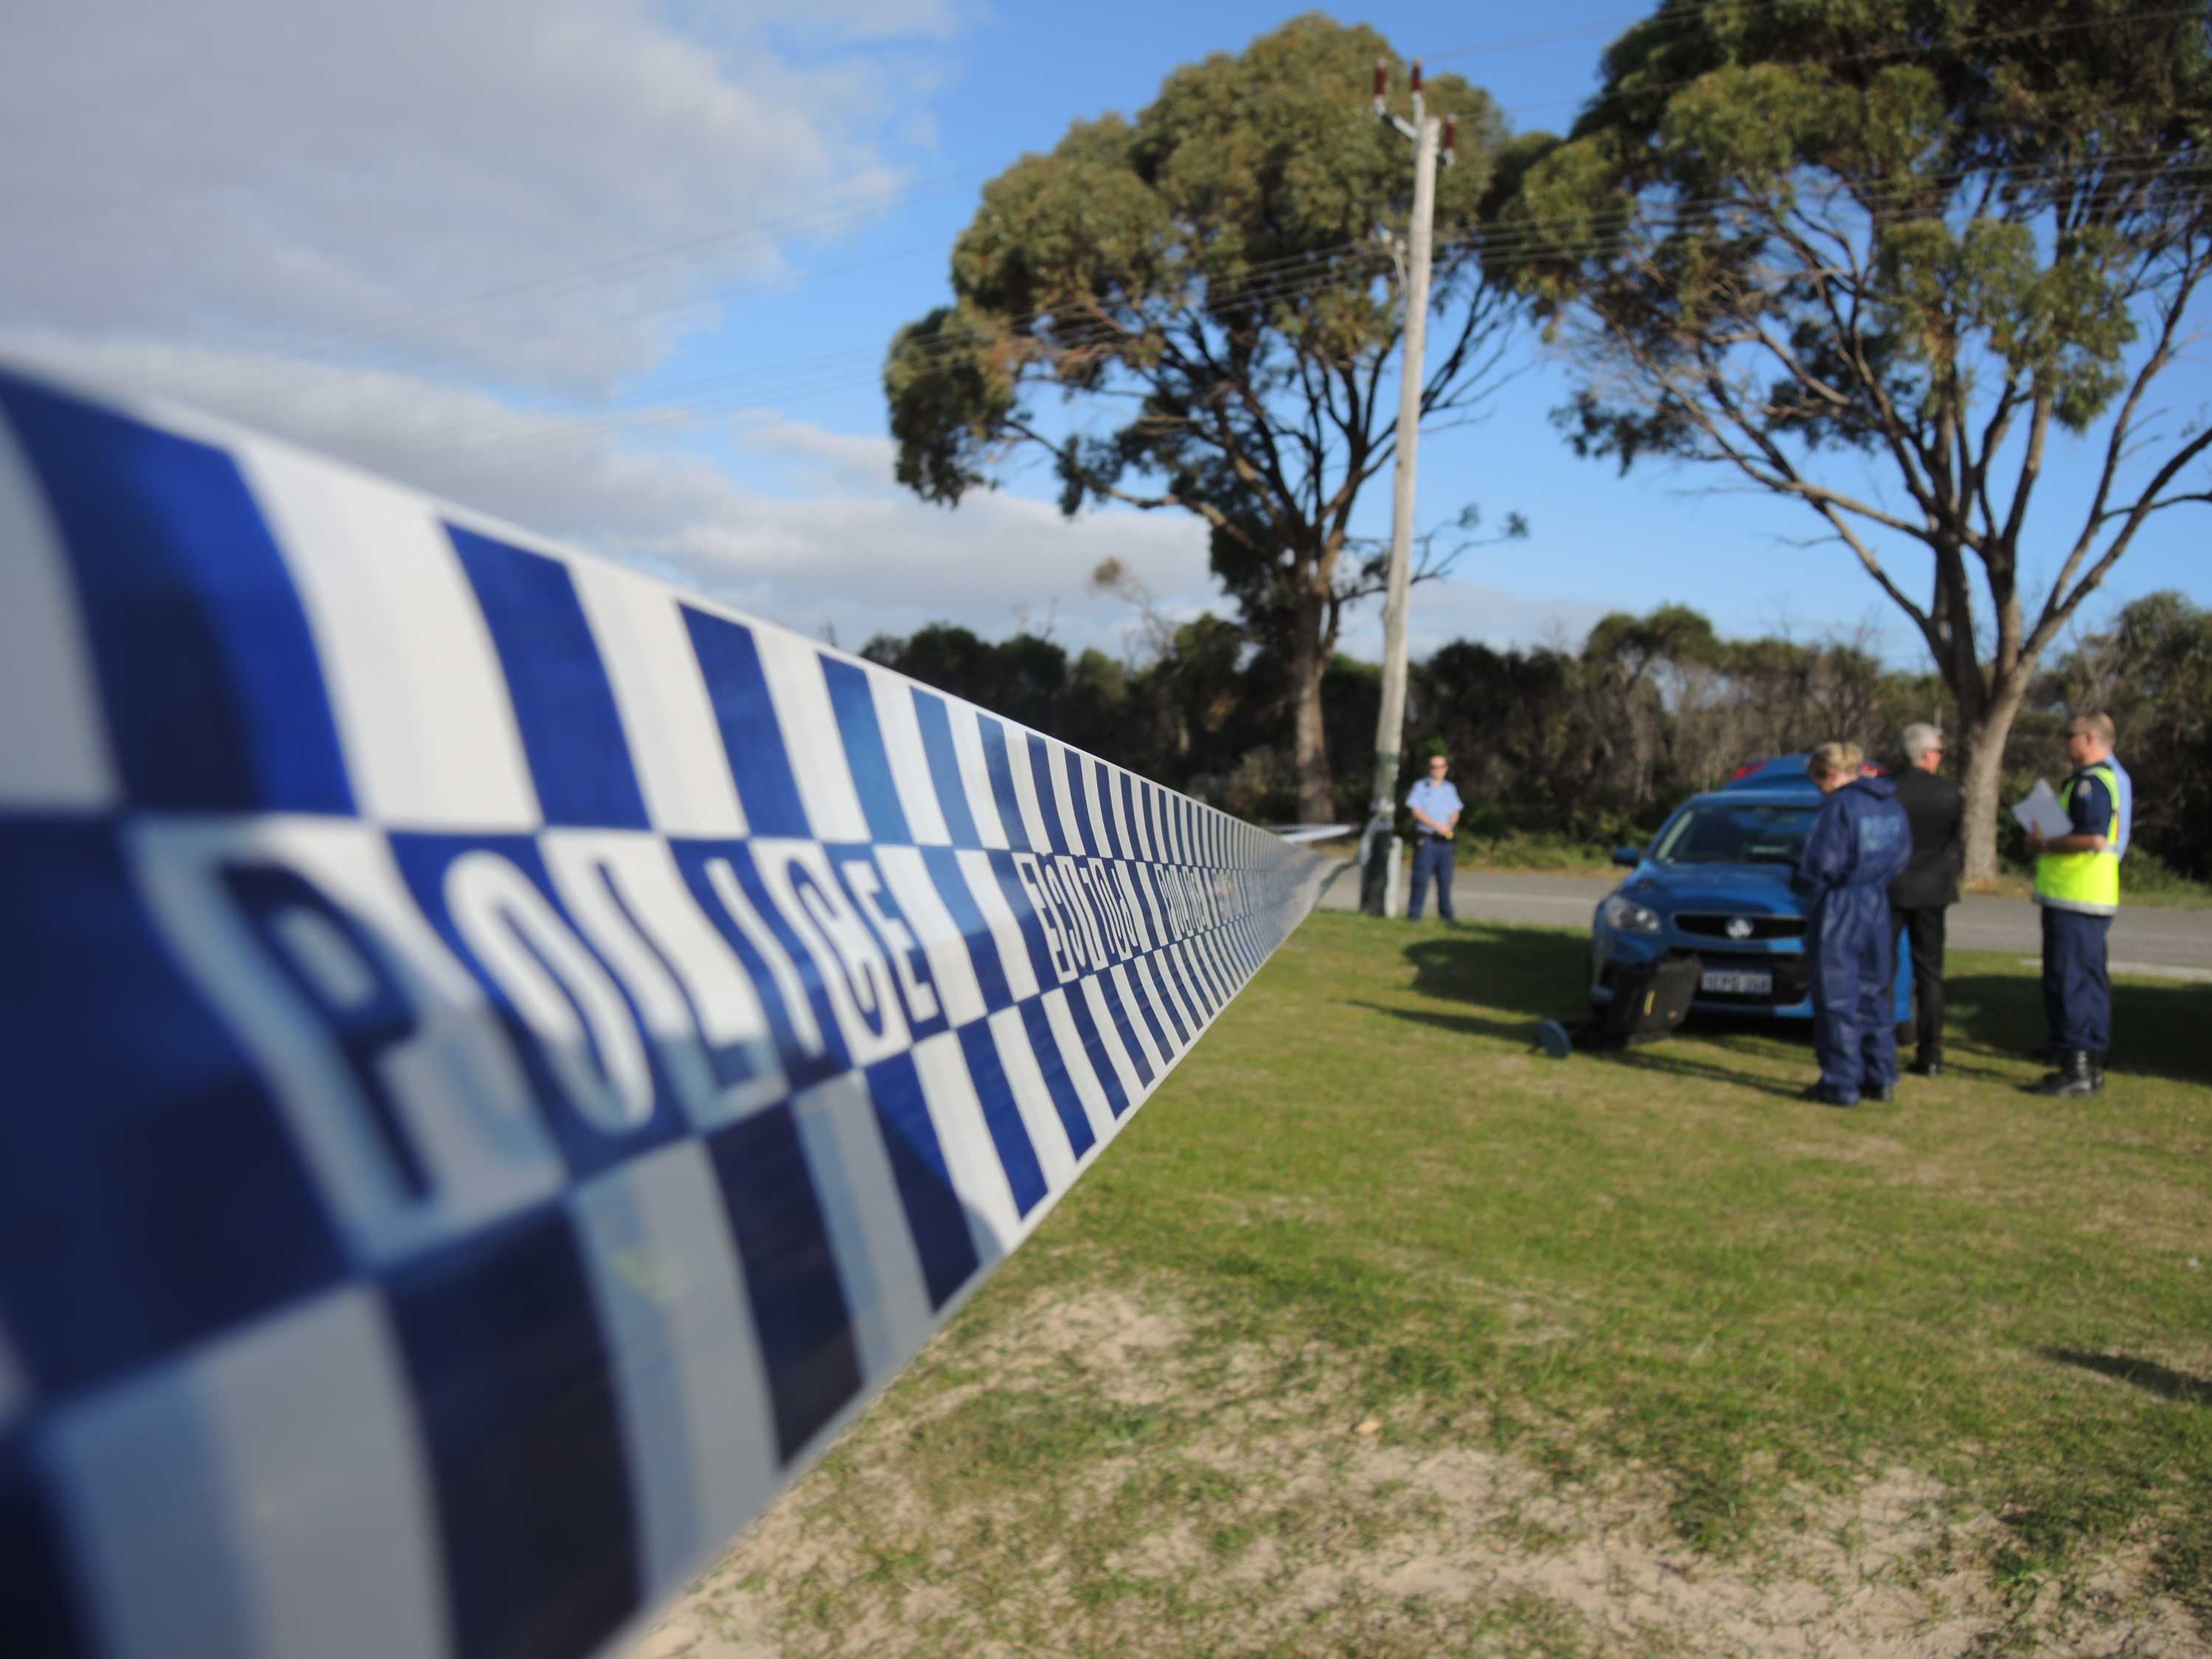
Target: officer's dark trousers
pixel 1431 857
pixel 1922 927
pixel 2077 994
pixel 1854 972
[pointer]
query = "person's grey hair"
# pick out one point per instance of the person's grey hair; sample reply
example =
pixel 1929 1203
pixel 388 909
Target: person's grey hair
pixel 1919 738
pixel 1834 760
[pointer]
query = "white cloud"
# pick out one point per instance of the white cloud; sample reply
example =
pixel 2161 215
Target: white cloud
pixel 892 564
pixel 240 171
pixel 250 205
pixel 854 551
pixel 844 457
pixel 859 554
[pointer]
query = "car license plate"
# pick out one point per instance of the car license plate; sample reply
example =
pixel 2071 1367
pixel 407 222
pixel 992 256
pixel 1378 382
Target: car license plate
pixel 1732 982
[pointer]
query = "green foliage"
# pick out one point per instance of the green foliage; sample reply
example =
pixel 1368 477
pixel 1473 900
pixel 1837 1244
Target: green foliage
pixel 1925 231
pixel 949 392
pixel 2151 669
pixel 1561 754
pixel 1599 745
pixel 1998 194
pixel 1205 283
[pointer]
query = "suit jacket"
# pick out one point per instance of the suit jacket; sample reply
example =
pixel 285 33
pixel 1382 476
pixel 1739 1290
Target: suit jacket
pixel 1937 812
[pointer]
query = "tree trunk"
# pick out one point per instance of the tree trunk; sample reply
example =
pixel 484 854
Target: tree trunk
pixel 1309 742
pixel 1978 781
pixel 1984 744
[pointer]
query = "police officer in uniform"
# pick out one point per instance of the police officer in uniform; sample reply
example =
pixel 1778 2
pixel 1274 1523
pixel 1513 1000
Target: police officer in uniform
pixel 2077 883
pixel 1436 807
pixel 1920 898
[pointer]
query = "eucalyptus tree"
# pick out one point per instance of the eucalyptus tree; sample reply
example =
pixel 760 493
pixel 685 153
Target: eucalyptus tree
pixel 1205 293
pixel 2151 666
pixel 1887 259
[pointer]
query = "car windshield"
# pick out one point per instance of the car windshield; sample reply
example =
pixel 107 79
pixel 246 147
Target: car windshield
pixel 1719 833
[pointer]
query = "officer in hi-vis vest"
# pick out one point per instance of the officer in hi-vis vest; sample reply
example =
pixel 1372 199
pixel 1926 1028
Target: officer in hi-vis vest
pixel 2077 882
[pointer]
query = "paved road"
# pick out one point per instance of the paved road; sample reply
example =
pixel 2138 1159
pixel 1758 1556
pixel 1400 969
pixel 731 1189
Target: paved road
pixel 2175 944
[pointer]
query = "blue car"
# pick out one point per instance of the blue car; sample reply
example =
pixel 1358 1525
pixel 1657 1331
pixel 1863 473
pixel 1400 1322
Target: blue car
pixel 1716 881
pixel 1785 769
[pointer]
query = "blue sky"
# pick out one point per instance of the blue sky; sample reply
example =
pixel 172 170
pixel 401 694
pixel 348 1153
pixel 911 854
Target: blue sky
pixel 625 273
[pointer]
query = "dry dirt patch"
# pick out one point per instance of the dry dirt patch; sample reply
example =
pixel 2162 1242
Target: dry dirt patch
pixel 1092 1475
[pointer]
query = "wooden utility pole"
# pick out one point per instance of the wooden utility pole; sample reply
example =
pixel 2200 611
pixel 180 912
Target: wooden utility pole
pixel 1379 847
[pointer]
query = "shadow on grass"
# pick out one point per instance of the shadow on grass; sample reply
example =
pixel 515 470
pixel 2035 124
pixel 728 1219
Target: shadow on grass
pixel 1673 1063
pixel 2160 1380
pixel 1536 971
pixel 1542 972
pixel 2158 1030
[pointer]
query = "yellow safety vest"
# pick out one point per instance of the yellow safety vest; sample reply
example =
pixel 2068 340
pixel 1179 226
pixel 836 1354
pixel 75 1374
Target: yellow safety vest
pixel 2088 882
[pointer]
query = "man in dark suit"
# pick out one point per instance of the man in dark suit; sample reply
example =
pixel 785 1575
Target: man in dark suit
pixel 1929 885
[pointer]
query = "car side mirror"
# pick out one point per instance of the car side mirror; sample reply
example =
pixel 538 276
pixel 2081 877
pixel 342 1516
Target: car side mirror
pixel 1631 856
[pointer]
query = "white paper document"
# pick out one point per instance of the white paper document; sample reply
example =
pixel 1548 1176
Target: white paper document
pixel 2041 812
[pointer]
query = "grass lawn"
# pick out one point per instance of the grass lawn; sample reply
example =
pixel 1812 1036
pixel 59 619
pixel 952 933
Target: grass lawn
pixel 1377 1333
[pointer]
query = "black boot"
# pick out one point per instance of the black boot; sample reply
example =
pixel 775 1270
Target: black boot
pixel 2074 1077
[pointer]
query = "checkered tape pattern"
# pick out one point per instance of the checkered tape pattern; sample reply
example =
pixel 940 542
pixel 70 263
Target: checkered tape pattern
pixel 504 1057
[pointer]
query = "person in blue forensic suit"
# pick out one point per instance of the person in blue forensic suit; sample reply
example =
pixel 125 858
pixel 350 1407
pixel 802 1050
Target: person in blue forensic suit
pixel 1861 842
pixel 2077 883
pixel 1436 808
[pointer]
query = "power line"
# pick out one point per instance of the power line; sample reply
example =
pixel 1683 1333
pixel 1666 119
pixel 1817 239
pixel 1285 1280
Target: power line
pixel 395 324
pixel 798 390
pixel 1870 55
pixel 1257 282
pixel 1683 13
pixel 724 393
pixel 1282 282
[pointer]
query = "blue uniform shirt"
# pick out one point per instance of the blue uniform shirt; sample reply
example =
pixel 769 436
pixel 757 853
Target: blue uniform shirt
pixel 2127 803
pixel 2091 807
pixel 1438 801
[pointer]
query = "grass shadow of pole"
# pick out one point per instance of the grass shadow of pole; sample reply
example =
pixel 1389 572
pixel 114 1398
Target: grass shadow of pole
pixel 2160 1380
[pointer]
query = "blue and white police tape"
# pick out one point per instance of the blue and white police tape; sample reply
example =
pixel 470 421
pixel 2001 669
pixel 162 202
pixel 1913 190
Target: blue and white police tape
pixel 502 1058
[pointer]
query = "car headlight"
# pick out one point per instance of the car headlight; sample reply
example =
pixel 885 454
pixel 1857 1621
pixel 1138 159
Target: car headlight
pixel 1626 916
